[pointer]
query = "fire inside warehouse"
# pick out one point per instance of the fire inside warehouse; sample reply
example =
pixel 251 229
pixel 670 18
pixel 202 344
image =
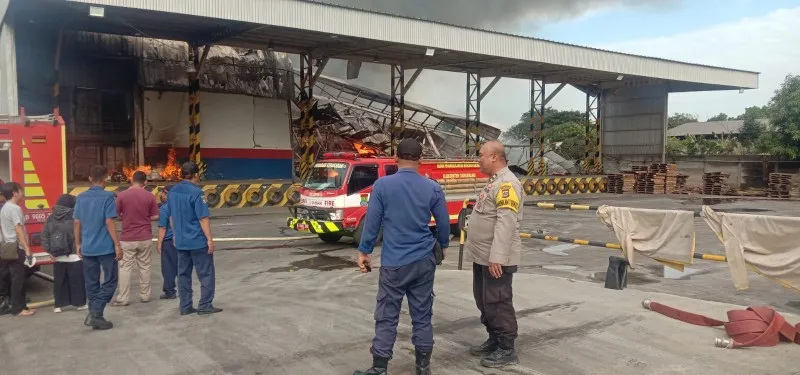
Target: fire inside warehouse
pixel 126 105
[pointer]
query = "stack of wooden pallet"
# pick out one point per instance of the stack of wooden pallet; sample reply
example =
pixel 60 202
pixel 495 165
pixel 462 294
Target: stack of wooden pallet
pixel 628 182
pixel 615 184
pixel 664 177
pixel 644 182
pixel 714 183
pixel 780 185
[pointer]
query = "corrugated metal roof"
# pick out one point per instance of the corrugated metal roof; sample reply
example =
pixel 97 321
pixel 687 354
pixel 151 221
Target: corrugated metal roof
pixel 710 127
pixel 299 17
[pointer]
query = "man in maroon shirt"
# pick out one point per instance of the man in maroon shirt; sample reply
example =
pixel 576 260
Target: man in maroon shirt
pixel 137 208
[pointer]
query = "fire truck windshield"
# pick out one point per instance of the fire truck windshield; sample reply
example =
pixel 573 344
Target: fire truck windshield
pixel 326 175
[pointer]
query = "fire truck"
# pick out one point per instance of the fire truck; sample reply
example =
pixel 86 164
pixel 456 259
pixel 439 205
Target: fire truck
pixel 334 197
pixel 33 153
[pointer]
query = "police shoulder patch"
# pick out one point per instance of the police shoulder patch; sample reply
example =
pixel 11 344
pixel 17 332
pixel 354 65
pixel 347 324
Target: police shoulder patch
pixel 204 199
pixel 507 197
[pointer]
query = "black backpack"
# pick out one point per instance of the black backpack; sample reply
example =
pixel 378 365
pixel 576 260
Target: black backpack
pixel 59 243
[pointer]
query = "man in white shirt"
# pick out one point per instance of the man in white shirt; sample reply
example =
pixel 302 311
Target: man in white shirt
pixel 12 226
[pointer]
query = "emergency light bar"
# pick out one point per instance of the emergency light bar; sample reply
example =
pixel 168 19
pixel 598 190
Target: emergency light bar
pixel 340 155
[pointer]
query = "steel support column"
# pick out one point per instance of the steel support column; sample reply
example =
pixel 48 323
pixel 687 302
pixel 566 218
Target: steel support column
pixel 537 164
pixel 398 121
pixel 196 60
pixel 305 102
pixel 593 161
pixel 472 126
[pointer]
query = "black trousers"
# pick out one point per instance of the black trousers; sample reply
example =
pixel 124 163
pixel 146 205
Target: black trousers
pixel 494 299
pixel 69 287
pixel 12 278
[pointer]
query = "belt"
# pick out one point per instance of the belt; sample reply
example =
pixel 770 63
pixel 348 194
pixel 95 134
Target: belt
pixel 755 326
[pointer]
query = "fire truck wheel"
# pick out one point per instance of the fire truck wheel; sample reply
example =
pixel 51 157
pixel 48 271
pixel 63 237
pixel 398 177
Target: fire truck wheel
pixel 330 237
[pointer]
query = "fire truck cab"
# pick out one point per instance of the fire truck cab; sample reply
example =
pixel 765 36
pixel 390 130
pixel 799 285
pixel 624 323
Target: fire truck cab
pixel 33 153
pixel 334 197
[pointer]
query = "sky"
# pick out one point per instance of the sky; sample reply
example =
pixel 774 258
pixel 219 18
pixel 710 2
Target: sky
pixel 755 35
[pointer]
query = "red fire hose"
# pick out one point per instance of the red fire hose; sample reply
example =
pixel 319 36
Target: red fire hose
pixel 756 326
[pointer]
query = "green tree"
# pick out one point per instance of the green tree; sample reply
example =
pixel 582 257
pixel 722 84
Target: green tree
pixel 784 116
pixel 752 128
pixel 520 132
pixel 680 119
pixel 720 117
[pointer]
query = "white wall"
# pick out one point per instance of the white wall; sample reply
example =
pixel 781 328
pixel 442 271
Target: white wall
pixel 226 121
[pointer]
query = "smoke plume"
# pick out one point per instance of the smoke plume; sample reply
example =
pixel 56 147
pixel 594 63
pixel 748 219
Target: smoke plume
pixel 444 90
pixel 500 15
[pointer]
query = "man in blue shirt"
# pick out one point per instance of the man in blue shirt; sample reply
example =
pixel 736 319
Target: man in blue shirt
pixel 189 217
pixel 166 247
pixel 97 243
pixel 402 204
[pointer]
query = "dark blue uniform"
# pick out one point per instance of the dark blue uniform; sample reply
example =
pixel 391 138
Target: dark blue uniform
pixel 402 204
pixel 187 205
pixel 169 255
pixel 92 208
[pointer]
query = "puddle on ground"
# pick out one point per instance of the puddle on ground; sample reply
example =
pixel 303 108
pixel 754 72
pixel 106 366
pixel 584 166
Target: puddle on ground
pixel 559 249
pixel 559 267
pixel 321 262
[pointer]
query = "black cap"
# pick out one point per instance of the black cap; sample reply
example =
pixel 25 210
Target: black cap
pixel 409 149
pixel 189 169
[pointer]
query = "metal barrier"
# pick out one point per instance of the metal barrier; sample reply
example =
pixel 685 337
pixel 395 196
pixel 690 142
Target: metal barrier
pixel 466 210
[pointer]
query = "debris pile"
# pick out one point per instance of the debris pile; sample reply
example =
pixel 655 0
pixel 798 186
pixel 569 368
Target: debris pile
pixel 354 130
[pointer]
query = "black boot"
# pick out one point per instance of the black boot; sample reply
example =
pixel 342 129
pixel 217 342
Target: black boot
pixel 423 362
pixel 98 322
pixel 379 367
pixel 485 349
pixel 500 357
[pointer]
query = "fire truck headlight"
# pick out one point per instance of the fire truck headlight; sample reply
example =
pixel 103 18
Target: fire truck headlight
pixel 337 215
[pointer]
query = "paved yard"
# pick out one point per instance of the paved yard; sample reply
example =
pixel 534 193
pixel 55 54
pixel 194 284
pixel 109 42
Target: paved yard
pixel 301 307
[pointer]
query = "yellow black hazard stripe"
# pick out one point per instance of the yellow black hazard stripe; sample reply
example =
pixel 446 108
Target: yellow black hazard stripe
pixel 314 226
pixel 227 195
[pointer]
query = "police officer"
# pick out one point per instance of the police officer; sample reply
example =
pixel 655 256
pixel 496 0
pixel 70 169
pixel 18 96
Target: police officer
pixel 493 241
pixel 191 228
pixel 403 203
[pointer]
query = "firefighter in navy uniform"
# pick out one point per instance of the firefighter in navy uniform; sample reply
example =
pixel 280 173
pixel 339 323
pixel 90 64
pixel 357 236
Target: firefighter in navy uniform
pixel 191 231
pixel 403 204
pixel 493 240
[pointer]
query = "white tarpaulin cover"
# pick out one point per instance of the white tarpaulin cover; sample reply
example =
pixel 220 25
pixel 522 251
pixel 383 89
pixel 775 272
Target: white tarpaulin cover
pixel 664 235
pixel 768 244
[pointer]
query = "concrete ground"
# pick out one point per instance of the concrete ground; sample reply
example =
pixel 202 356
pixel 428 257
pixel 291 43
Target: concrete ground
pixel 301 307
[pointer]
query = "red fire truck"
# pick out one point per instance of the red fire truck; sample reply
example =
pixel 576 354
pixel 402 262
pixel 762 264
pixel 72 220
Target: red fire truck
pixel 33 153
pixel 334 197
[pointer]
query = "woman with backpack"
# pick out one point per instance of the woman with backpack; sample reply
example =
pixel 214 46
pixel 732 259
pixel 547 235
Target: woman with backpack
pixel 58 240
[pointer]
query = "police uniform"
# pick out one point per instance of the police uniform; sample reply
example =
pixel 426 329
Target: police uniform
pixel 493 237
pixel 187 206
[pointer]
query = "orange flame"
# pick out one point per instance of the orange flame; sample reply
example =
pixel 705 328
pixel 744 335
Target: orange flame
pixel 364 150
pixel 129 171
pixel 171 171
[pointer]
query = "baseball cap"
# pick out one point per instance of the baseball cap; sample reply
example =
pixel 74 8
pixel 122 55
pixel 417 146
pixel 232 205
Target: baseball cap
pixel 409 149
pixel 189 169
